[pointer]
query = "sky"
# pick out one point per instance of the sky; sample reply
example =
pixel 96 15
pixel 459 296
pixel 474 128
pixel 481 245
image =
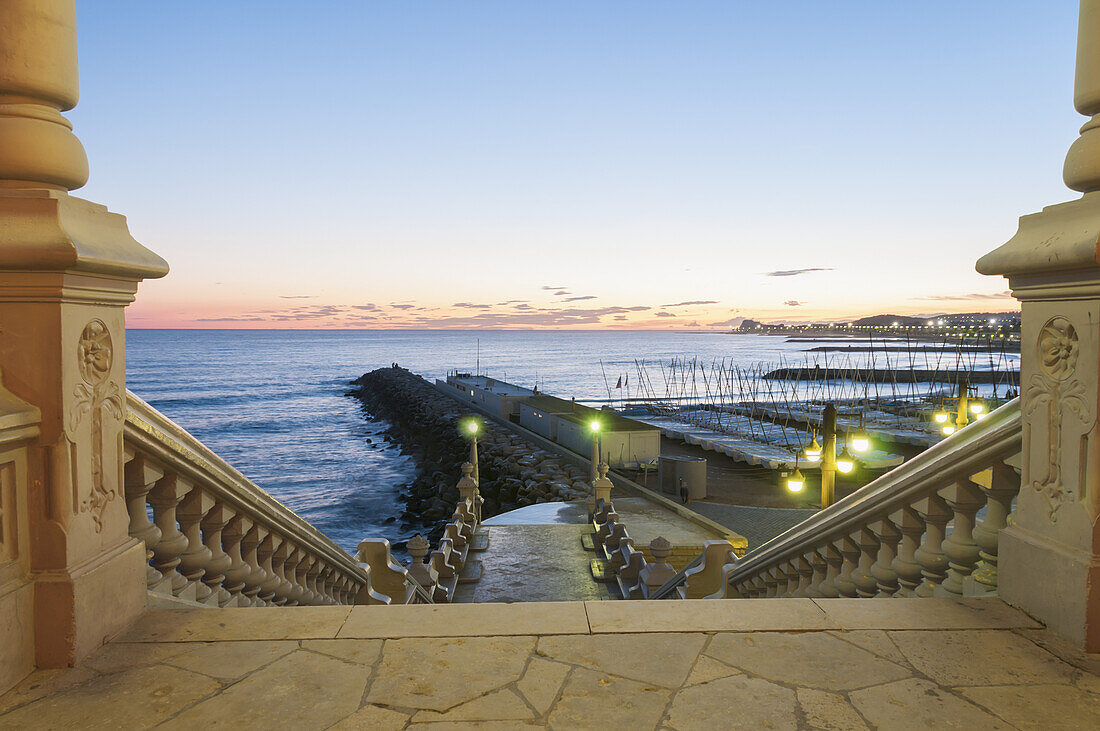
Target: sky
pixel 611 164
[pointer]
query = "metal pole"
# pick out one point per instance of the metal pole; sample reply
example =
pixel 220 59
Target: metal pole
pixel 828 455
pixel 473 459
pixel 961 418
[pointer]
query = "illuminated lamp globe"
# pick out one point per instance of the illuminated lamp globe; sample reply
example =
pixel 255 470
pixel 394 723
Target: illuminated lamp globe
pixel 977 407
pixel 845 463
pixel 948 429
pixel 813 452
pixel 940 416
pixel 472 427
pixel 860 442
pixel 796 482
pixel 594 426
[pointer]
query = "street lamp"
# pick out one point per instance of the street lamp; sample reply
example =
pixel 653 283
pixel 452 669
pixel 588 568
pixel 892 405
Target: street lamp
pixel 594 427
pixel 845 463
pixel 796 482
pixel 471 427
pixel 813 452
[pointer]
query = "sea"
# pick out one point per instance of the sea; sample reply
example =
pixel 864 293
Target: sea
pixel 274 403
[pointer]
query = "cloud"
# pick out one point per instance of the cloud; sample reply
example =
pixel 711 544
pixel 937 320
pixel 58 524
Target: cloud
pixel 297 296
pixel 796 272
pixel 793 303
pixel 548 288
pixel 370 307
pixel 693 323
pixel 471 306
pixel 511 302
pixel 1006 295
pixel 583 297
pixel 619 317
pixel 562 293
pixel 406 307
pixel 692 302
pixel 231 319
pixel 665 314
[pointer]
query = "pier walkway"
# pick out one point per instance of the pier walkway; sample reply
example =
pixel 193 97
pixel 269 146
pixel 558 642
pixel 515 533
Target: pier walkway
pixel 775 663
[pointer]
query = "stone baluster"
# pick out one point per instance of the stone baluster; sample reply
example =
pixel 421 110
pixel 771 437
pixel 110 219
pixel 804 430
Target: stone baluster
pixel 834 560
pixel 332 581
pixel 316 582
pixel 280 587
pixel 933 563
pixel 794 577
pixel 906 565
pixel 805 570
pixel 819 572
pixel 212 526
pixel 759 586
pixel 866 584
pixel 165 498
pixel 850 550
pixel 192 509
pixel 883 571
pixel 232 537
pixel 308 568
pixel 254 558
pixel 294 591
pixel 965 499
pixel 141 477
pixel 771 583
pixel 659 572
pixel 1004 484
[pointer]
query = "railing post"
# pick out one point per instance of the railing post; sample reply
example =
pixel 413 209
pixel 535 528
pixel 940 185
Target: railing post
pixel 239 569
pixel 850 551
pixel 933 563
pixel 220 561
pixel 886 577
pixel 165 499
pixel 906 565
pixel 1047 561
pixel 68 267
pixel 192 509
pixel 141 476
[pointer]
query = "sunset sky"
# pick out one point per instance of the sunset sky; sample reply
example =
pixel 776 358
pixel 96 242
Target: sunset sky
pixel 571 164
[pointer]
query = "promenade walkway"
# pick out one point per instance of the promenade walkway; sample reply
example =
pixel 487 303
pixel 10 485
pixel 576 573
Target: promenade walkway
pixel 762 663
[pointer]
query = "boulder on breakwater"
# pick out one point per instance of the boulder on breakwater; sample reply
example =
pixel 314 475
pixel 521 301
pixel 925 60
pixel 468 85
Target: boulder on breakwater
pixel 425 423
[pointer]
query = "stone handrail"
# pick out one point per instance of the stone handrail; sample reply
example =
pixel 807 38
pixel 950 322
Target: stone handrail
pixel 890 537
pixel 217 538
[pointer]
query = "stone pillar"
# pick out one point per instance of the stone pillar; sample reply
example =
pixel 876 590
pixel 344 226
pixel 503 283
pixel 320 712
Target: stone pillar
pixel 68 267
pixel 601 488
pixel 1049 561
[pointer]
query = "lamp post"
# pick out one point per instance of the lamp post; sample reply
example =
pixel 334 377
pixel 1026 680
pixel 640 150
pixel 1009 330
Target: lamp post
pixel 472 428
pixel 828 455
pixel 594 427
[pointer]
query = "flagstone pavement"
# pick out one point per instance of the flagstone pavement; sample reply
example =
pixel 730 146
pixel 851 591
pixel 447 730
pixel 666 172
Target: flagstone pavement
pixel 754 663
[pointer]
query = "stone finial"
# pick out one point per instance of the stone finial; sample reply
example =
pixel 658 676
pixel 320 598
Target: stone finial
pixel 467 469
pixel 604 467
pixel 418 547
pixel 660 548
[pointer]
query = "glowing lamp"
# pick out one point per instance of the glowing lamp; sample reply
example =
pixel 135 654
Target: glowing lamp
pixel 796 482
pixel 813 452
pixel 845 463
pixel 981 416
pixel 948 429
pixel 471 426
pixel 977 407
pixel 860 442
pixel 594 426
pixel 940 416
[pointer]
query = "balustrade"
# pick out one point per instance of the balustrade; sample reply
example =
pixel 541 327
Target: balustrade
pixel 912 532
pixel 218 539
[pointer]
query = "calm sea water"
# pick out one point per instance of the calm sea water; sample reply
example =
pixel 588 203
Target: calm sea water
pixel 273 403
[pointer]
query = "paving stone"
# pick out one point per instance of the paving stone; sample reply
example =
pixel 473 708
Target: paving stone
pixel 243 623
pixel 438 674
pixel 1064 650
pixel 118 656
pixel 500 705
pixel 1039 706
pixel 137 698
pixel 363 652
pixel 466 620
pixel 595 700
pixel 707 669
pixel 734 702
pixel 228 661
pixel 659 659
pixel 917 703
pixel 931 613
pixel 541 682
pixel 451 725
pixel 811 659
pixel 41 683
pixel 373 718
pixel 707 615
pixel 300 690
pixel 828 711
pixel 980 658
pixel 873 640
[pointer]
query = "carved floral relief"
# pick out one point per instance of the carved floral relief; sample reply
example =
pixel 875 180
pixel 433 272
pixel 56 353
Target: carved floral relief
pixel 97 396
pixel 1053 395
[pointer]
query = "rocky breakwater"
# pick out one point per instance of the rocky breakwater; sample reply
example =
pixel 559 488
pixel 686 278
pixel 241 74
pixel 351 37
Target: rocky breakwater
pixel 426 424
